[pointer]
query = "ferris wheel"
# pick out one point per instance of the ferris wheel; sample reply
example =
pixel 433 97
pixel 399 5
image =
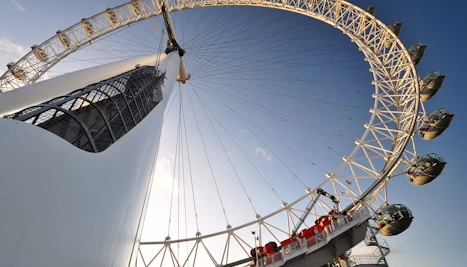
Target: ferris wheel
pixel 278 145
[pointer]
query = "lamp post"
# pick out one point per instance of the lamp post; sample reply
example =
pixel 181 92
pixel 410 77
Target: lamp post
pixel 256 247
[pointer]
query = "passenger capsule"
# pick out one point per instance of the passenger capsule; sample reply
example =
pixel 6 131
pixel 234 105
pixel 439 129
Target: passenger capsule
pixel 425 169
pixel 430 85
pixel 395 27
pixel 416 52
pixel 64 39
pixel 371 10
pixel 110 15
pixel 394 219
pixel 40 54
pixel 135 7
pixel 17 71
pixel 87 26
pixel 435 124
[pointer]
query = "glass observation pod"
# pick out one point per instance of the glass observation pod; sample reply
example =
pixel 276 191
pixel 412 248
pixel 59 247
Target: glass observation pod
pixel 435 124
pixel 371 10
pixel 430 85
pixel 425 169
pixel 87 26
pixel 394 219
pixel 64 39
pixel 395 27
pixel 416 52
pixel 40 54
pixel 110 15
pixel 17 71
pixel 135 7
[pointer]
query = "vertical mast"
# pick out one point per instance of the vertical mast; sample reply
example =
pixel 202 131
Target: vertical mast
pixel 172 43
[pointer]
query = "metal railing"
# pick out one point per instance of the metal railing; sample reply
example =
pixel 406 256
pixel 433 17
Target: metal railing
pixel 304 245
pixel 364 259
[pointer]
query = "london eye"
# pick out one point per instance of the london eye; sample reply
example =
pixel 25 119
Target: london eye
pixel 217 133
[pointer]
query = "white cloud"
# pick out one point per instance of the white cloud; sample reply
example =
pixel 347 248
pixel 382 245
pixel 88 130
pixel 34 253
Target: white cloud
pixel 17 5
pixel 11 52
pixel 163 177
pixel 263 153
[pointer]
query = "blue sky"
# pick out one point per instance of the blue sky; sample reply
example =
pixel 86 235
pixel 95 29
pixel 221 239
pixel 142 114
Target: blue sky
pixel 436 237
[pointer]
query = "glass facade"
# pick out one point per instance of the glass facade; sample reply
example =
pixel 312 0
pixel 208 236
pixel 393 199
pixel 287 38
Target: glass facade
pixel 96 116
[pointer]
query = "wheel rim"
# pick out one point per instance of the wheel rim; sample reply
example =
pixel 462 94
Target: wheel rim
pixel 406 83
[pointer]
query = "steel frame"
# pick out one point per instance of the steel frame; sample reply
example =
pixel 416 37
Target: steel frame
pixel 388 136
pixel 90 97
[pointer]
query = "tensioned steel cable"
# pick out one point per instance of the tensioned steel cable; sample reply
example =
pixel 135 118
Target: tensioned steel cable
pixel 225 152
pixel 177 148
pixel 209 161
pixel 248 158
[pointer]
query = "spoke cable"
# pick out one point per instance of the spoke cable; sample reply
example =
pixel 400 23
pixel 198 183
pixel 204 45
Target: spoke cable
pixel 225 152
pixel 252 164
pixel 209 161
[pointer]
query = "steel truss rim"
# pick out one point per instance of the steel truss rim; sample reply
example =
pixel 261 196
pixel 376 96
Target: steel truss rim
pixel 346 8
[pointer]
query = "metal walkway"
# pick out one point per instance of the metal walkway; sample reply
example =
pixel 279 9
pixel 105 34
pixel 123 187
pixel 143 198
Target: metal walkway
pixel 320 249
